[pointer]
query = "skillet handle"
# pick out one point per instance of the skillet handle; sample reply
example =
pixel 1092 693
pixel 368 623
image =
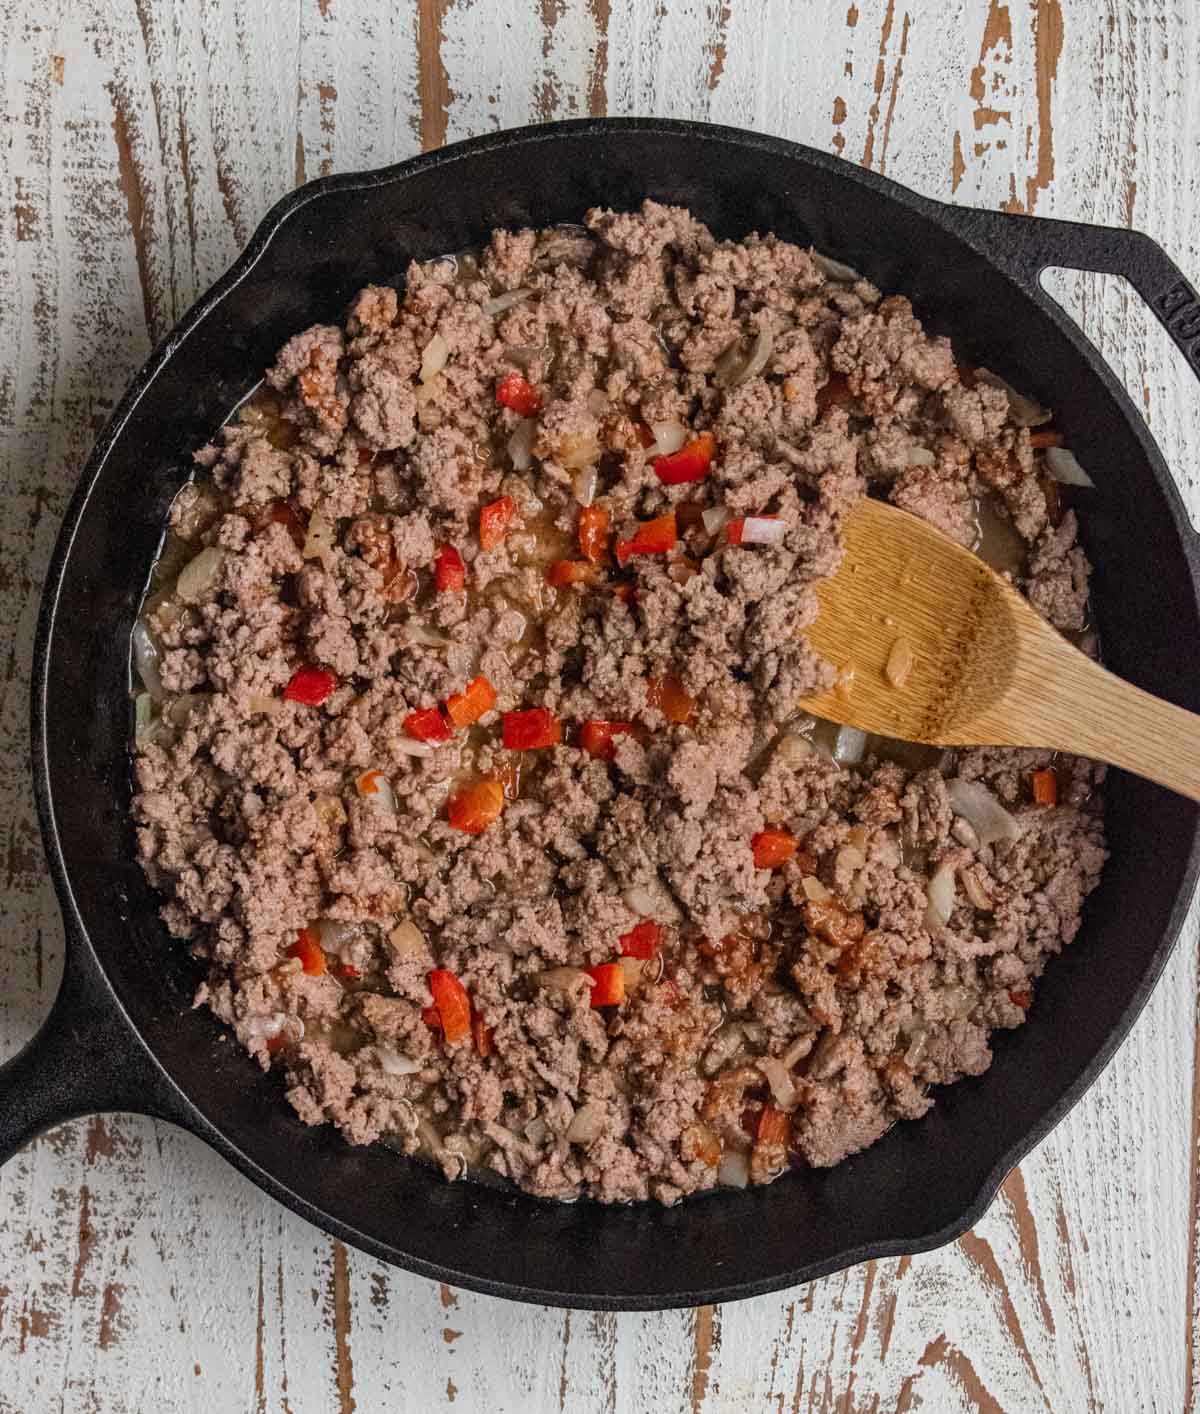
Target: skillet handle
pixel 1027 245
pixel 85 1059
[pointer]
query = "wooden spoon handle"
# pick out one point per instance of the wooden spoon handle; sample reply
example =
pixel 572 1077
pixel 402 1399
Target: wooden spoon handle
pixel 1121 724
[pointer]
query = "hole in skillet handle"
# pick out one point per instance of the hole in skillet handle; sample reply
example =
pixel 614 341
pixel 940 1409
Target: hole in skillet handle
pixel 1027 245
pixel 85 1059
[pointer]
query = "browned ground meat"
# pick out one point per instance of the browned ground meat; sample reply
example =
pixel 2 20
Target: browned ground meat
pixel 790 1014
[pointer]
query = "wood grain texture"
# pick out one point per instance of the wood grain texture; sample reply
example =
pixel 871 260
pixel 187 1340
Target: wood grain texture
pixel 961 658
pixel 143 142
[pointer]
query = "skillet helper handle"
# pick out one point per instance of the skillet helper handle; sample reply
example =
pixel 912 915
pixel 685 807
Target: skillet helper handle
pixel 1030 244
pixel 85 1059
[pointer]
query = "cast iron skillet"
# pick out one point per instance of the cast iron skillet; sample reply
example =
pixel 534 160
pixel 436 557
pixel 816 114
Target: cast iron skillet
pixel 122 1034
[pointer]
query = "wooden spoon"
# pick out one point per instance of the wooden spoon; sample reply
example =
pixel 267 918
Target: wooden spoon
pixel 934 646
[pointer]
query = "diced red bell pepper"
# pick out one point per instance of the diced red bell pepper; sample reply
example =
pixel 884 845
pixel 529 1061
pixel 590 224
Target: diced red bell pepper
pixel 642 940
pixel 531 730
pixel 308 949
pixel 467 706
pixel 310 686
pixel 563 573
pixel 474 807
pixel 483 1035
pixel 774 1126
pixel 1045 437
pixel 624 592
pixel 276 1042
pixel 597 738
pixel 594 522
pixel 449 572
pixel 348 971
pixel 645 435
pixel 453 1004
pixel 609 984
pixel 495 521
pixel 1021 999
pixel 652 537
pixel 431 1017
pixel 672 701
pixel 772 847
pixel 1045 787
pixel 427 725
pixel 690 463
pixel 518 393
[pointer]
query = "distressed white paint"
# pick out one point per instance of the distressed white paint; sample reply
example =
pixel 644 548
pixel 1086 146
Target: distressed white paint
pixel 136 1270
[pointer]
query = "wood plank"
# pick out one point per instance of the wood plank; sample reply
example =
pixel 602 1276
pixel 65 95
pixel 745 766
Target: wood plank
pixel 138 1271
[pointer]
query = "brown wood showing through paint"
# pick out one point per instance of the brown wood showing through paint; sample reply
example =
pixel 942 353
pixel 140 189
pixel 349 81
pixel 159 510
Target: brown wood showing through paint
pixel 142 144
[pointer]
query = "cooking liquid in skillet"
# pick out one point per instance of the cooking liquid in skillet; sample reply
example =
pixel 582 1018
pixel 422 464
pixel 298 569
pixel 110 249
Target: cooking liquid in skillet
pixel 538 544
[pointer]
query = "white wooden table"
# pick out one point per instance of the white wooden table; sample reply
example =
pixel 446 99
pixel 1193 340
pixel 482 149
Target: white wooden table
pixel 140 145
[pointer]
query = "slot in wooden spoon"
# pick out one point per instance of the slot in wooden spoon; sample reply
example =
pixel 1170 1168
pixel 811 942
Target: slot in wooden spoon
pixel 935 647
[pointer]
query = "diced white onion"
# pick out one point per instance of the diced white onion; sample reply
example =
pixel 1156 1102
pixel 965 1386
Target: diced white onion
pixel 407 940
pixel 940 896
pixel 715 518
pixel 146 726
pixel 668 438
pixel 269 706
pixel 147 659
pixel 564 979
pixel 974 890
pixel 651 901
pixel 335 933
pixel 376 790
pixel 799 1048
pixel 588 1123
pixel 264 1028
pixel 1023 411
pixel 793 748
pixel 921 456
pixel 760 352
pixel 850 746
pixel 520 444
pixel 782 1088
pixel 1063 466
pixel 536 1131
pixel 727 363
pixel 763 530
pixel 633 968
pixel 982 811
pixel 579 451
pixel 597 402
pixel 958 1001
pixel 500 303
pixel 586 480
pixel 433 357
pixel 198 574
pixel 734 1169
pixel 814 889
pixel 409 746
pixel 416 630
pixel 524 354
pixel 834 269
pixel 429 414
pixel 393 1063
pixel 318 542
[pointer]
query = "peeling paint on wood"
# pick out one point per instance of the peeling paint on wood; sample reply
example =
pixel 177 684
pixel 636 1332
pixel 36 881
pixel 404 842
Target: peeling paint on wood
pixel 143 143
